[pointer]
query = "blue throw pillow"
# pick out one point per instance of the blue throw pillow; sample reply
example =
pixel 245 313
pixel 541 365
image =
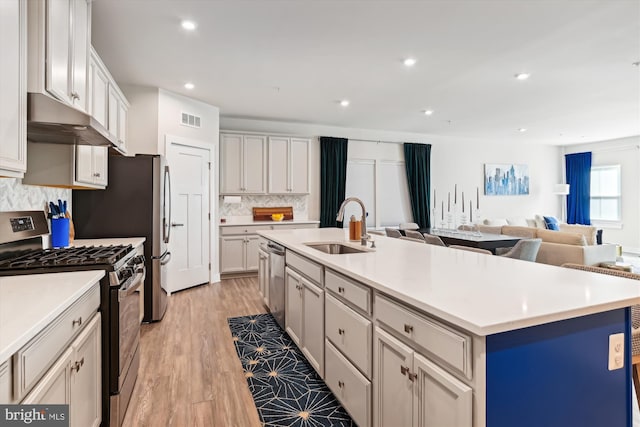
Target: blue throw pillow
pixel 551 223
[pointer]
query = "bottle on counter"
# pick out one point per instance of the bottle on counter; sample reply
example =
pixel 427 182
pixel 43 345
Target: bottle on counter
pixel 355 228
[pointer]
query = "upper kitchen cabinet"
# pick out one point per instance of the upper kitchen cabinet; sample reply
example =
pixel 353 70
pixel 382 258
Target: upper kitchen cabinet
pixel 13 93
pixel 59 39
pixel 288 165
pixel 243 164
pixel 107 104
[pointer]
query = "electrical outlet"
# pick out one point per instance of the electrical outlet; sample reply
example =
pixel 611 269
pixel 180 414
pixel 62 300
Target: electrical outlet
pixel 616 351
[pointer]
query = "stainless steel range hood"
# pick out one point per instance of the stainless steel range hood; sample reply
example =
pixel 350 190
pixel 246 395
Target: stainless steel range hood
pixel 51 121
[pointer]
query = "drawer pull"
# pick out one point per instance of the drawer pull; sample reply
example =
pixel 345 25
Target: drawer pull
pixel 413 377
pixel 341 289
pixel 340 384
pixel 77 322
pixel 340 331
pixel 408 328
pixel 404 370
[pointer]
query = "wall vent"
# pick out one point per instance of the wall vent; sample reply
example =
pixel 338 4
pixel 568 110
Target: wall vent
pixel 190 120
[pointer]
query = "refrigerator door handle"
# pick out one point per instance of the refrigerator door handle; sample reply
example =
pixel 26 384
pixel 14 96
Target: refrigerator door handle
pixel 167 202
pixel 166 255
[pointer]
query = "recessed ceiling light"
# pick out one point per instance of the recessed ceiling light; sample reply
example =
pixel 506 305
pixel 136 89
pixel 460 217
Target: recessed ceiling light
pixel 189 86
pixel 428 112
pixel 522 76
pixel 522 130
pixel 410 62
pixel 189 25
pixel 344 102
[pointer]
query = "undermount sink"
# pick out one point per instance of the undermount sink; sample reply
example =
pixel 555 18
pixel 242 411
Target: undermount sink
pixel 337 248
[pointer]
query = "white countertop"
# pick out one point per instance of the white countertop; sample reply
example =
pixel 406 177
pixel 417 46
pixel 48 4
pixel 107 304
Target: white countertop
pixel 133 241
pixel 241 221
pixel 29 303
pixel 483 294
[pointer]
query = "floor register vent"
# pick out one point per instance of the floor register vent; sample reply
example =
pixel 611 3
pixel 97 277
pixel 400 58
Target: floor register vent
pixel 190 120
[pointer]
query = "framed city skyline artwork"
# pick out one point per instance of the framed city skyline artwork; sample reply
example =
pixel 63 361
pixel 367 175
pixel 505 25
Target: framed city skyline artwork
pixel 506 179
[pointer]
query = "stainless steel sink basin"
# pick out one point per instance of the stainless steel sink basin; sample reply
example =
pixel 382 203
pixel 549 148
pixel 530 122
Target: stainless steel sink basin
pixel 337 248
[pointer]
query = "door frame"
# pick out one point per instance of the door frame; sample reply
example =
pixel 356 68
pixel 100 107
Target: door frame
pixel 212 147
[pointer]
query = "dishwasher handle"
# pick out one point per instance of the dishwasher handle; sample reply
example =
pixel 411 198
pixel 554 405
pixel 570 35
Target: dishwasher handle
pixel 275 249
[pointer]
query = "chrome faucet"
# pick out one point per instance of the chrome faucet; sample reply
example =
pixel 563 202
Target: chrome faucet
pixel 363 236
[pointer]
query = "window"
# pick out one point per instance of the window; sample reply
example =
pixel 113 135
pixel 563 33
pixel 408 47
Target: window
pixel 606 200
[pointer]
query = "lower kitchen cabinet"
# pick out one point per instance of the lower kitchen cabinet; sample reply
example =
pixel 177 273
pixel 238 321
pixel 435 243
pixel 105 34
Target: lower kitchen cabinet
pixel 239 253
pixel 410 390
pixel 75 379
pixel 263 275
pixel 304 317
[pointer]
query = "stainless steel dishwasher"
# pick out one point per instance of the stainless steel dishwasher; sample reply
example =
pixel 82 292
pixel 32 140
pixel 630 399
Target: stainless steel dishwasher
pixel 276 281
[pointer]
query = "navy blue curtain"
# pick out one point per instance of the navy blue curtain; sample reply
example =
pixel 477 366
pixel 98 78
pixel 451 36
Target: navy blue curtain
pixel 333 178
pixel 417 160
pixel 578 170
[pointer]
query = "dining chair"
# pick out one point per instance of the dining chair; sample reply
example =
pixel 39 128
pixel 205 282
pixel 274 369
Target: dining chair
pixel 408 226
pixel 470 249
pixel 635 319
pixel 433 240
pixel 414 234
pixel 525 249
pixel 412 239
pixel 392 232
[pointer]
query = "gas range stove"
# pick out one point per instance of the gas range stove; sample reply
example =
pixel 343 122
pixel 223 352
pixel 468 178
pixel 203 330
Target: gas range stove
pixel 81 256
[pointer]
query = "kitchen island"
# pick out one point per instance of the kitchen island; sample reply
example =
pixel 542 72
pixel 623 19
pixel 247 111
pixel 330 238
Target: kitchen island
pixel 465 339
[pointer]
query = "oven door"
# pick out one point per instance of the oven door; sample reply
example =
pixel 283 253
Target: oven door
pixel 125 328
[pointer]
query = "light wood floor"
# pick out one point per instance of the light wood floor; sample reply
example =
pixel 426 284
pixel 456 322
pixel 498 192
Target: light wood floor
pixel 189 372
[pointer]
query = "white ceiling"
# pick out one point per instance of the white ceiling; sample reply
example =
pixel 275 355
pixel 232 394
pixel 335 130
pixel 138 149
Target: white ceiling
pixel 294 60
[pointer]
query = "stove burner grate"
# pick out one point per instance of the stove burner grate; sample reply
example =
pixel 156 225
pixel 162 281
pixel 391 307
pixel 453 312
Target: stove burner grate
pixel 92 255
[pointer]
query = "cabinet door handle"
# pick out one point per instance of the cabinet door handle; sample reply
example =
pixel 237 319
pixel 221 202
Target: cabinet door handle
pixel 81 362
pixel 408 328
pixel 97 174
pixel 340 384
pixel 413 377
pixel 77 322
pixel 340 331
pixel 341 290
pixel 404 370
pixel 173 224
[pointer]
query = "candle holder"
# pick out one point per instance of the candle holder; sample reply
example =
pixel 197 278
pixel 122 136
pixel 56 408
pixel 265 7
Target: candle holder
pixel 450 220
pixel 433 219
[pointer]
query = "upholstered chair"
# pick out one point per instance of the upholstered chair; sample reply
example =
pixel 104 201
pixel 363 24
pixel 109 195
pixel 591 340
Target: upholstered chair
pixel 413 234
pixel 433 240
pixel 392 232
pixel 525 249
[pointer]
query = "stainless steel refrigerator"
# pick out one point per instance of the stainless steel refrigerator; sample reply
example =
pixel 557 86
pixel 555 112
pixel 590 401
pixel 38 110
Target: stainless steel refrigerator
pixel 136 203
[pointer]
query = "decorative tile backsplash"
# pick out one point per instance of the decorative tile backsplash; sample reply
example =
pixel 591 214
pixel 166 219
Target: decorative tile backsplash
pixel 14 196
pixel 244 208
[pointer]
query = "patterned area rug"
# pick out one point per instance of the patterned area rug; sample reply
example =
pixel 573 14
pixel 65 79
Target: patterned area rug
pixel 285 388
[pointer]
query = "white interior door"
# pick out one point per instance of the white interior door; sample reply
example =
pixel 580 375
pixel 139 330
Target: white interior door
pixel 189 243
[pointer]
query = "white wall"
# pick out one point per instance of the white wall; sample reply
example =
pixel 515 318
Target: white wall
pixel 156 113
pixel 626 153
pixel 452 162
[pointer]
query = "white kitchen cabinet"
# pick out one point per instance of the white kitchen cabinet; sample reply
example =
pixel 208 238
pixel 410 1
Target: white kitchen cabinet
pixel 263 275
pixel 13 89
pixel 69 166
pixel 59 40
pixel 75 379
pixel 239 253
pixel 392 389
pixel 288 165
pixel 107 104
pixel 243 164
pixel 439 398
pixel 118 110
pixel 304 314
pixel 293 306
pixel 98 90
pixel 411 390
